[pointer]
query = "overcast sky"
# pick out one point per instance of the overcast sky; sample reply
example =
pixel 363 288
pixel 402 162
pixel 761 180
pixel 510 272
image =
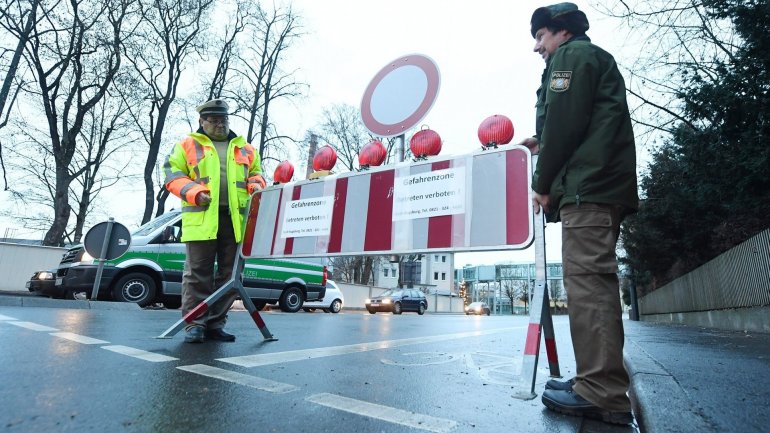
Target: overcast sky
pixel 483 50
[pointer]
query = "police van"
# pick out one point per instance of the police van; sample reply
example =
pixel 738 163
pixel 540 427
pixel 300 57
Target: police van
pixel 151 272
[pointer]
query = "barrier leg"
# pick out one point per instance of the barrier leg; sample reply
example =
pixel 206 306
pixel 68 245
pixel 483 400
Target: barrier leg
pixel 539 320
pixel 233 283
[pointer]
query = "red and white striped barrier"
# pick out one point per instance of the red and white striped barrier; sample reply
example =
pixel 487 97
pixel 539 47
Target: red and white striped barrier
pixel 474 202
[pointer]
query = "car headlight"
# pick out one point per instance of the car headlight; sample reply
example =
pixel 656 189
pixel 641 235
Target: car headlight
pixel 45 276
pixel 368 301
pixel 86 257
pixel 386 301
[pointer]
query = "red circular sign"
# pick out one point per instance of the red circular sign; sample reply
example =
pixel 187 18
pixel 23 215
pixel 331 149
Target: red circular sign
pixel 400 95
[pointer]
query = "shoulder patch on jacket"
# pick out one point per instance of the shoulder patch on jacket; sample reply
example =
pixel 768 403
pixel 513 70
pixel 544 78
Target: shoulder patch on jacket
pixel 560 80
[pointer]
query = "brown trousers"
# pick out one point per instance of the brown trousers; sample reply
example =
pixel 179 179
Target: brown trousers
pixel 199 280
pixel 589 235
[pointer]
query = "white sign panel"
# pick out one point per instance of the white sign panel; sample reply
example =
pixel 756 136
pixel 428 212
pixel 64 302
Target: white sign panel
pixel 435 193
pixel 307 217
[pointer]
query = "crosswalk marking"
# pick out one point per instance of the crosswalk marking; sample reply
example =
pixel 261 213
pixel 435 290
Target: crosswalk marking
pixel 140 354
pixel 298 355
pixel 384 413
pixel 78 338
pixel 239 378
pixel 33 326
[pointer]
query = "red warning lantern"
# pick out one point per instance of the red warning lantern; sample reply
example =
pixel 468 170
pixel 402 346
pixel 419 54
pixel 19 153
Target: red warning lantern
pixel 426 142
pixel 324 158
pixel 372 154
pixel 495 130
pixel 284 172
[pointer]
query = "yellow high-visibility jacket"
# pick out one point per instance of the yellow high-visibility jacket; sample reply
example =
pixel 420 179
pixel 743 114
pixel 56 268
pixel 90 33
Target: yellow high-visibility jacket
pixel 193 167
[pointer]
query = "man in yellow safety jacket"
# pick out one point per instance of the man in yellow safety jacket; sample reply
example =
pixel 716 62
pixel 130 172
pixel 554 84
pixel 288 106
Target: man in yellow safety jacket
pixel 213 171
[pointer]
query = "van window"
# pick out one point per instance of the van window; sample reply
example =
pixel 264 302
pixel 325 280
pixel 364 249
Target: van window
pixel 155 224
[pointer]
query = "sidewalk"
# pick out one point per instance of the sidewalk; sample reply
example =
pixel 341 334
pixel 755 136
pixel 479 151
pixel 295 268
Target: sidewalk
pixel 691 379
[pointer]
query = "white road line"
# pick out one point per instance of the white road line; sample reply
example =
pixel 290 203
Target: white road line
pixel 33 326
pixel 6 317
pixel 138 353
pixel 385 413
pixel 298 355
pixel 78 338
pixel 239 378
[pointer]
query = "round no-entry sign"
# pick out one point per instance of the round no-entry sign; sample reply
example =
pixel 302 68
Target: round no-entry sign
pixel 400 95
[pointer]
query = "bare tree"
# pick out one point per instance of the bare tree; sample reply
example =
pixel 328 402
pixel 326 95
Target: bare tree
pixel 166 39
pixel 353 269
pixel 674 41
pixel 17 19
pixel 260 80
pixel 103 155
pixel 74 53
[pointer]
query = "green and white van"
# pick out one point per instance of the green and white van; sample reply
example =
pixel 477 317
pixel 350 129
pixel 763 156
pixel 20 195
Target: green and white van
pixel 151 272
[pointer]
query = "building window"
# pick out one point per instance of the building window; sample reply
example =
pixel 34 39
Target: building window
pixel 393 271
pixel 435 275
pixel 443 259
pixel 386 271
pixel 435 257
pixel 443 275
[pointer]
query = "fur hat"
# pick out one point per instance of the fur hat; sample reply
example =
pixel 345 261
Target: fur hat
pixel 561 15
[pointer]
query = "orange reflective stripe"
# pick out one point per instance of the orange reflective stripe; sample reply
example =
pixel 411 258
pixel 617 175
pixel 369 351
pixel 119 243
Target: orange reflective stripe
pixel 244 155
pixel 193 151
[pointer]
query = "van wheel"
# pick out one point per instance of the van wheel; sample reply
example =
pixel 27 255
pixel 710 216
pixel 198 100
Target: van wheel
pixel 135 287
pixel 291 299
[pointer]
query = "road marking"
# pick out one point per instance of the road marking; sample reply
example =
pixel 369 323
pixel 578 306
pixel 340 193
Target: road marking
pixel 299 355
pixel 78 338
pixel 138 353
pixel 239 378
pixel 384 413
pixel 6 317
pixel 33 326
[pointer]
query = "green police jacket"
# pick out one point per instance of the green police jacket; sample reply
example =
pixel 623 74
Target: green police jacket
pixel 587 151
pixel 193 167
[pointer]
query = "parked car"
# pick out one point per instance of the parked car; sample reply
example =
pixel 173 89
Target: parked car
pixel 151 271
pixel 42 283
pixel 397 301
pixel 331 303
pixel 477 308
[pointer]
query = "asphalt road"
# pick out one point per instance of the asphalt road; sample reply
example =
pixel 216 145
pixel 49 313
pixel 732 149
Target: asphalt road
pixel 69 370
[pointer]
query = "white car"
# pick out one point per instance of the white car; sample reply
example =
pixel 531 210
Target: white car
pixel 332 301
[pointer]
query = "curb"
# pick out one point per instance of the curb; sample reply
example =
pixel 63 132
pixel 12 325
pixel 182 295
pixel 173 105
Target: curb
pixel 658 401
pixel 40 302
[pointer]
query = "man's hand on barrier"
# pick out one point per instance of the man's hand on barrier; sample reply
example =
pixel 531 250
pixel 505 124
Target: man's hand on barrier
pixel 539 200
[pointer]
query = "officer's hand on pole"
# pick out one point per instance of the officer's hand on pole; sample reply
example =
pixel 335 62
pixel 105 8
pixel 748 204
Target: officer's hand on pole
pixel 539 200
pixel 202 198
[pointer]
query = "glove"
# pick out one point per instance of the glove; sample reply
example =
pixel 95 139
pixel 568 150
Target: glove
pixel 202 198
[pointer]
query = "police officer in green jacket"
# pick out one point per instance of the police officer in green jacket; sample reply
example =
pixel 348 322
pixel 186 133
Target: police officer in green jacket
pixel 213 171
pixel 586 178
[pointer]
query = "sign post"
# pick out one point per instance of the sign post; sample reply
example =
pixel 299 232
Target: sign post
pixel 105 241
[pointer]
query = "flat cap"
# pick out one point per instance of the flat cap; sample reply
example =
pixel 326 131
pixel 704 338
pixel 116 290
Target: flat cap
pixel 561 15
pixel 215 106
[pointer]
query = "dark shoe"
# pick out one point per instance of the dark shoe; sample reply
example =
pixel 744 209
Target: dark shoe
pixel 219 335
pixel 560 385
pixel 194 335
pixel 571 403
